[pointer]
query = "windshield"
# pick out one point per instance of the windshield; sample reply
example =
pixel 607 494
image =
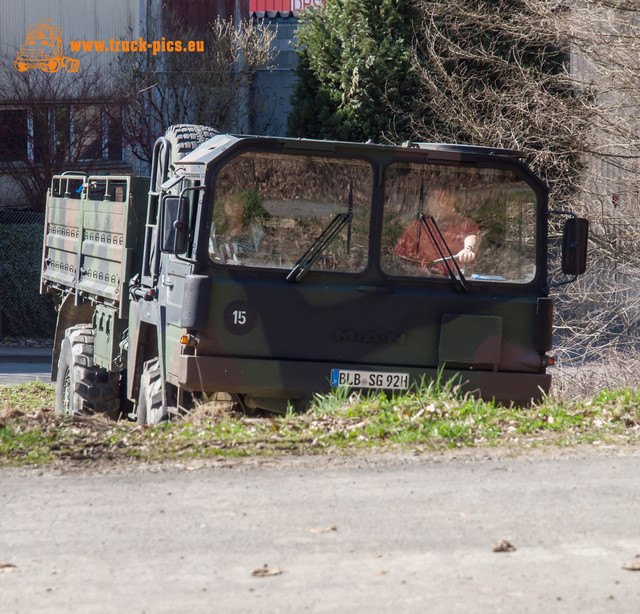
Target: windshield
pixel 271 209
pixel 486 219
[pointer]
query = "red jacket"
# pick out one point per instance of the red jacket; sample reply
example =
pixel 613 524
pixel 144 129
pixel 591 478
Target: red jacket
pixel 454 235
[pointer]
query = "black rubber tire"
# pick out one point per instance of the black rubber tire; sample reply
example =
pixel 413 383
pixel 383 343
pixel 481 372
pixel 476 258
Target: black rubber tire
pixel 184 138
pixel 150 410
pixel 81 387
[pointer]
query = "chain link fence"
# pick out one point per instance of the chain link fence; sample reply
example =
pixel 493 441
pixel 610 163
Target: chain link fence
pixel 24 313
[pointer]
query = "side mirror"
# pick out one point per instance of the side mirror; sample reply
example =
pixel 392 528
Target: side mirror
pixel 574 246
pixel 175 224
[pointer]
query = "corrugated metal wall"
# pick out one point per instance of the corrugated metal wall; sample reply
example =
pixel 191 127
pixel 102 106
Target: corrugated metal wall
pixel 102 20
pixel 79 20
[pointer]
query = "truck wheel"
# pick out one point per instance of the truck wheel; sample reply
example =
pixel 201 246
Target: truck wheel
pixel 150 410
pixel 184 138
pixel 81 387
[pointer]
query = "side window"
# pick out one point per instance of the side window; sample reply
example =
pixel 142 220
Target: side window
pixel 186 208
pixel 483 219
pixel 271 209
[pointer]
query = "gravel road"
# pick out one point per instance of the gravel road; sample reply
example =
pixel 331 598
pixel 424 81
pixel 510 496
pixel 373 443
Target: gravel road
pixel 322 535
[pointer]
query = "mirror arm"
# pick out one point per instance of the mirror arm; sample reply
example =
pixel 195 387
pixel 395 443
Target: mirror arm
pixel 555 284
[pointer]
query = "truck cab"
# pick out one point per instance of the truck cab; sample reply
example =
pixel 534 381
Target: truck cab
pixel 280 268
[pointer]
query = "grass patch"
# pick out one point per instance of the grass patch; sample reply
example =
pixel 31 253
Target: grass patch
pixel 435 417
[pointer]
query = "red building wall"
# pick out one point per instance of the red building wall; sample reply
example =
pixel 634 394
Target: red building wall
pixel 270 5
pixel 198 14
pixel 281 5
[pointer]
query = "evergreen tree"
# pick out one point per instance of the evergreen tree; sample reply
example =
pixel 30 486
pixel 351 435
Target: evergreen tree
pixel 314 114
pixel 485 72
pixel 357 79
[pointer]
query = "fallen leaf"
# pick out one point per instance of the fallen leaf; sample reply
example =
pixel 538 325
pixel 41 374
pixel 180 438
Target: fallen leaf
pixel 504 546
pixel 266 571
pixel 632 566
pixel 7 567
pixel 324 530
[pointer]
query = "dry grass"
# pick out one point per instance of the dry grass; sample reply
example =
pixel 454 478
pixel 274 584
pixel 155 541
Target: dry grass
pixel 615 371
pixel 436 417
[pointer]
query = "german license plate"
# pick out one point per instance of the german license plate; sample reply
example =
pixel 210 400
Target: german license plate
pixel 384 380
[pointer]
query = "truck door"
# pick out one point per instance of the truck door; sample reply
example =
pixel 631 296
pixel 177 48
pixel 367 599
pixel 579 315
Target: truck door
pixel 290 243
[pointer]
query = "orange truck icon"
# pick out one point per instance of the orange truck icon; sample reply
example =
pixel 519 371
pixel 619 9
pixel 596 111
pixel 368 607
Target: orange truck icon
pixel 43 49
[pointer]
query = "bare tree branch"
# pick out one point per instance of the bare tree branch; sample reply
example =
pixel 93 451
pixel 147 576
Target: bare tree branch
pixel 51 122
pixel 210 87
pixel 558 80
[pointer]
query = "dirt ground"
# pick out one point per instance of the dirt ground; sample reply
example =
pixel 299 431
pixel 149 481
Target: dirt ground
pixel 552 530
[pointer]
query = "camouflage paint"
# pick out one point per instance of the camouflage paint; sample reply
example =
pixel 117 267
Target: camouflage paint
pixel 90 249
pixel 296 333
pixel 253 332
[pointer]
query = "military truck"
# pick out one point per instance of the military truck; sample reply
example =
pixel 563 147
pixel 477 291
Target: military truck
pixel 270 269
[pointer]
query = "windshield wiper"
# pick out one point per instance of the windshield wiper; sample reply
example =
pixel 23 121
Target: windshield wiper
pixel 322 242
pixel 427 221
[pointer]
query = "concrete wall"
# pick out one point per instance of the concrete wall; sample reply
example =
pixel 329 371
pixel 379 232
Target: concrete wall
pixel 272 89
